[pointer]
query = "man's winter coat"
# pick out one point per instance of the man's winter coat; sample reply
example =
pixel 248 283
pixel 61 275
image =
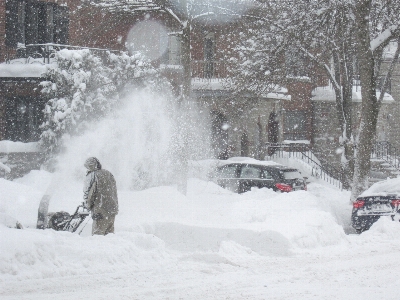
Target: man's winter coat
pixel 100 191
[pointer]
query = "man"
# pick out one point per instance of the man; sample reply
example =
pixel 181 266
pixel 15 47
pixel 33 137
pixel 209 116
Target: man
pixel 100 195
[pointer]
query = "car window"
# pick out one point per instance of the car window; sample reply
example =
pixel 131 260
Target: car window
pixel 250 172
pixel 266 175
pixel 291 174
pixel 227 172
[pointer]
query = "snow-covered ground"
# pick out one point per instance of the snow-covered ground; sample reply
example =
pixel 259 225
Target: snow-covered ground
pixel 210 244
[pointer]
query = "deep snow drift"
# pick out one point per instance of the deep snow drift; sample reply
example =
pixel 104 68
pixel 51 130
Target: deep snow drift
pixel 210 244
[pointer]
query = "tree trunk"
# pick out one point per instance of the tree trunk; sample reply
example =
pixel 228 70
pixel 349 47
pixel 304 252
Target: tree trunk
pixel 370 107
pixel 343 72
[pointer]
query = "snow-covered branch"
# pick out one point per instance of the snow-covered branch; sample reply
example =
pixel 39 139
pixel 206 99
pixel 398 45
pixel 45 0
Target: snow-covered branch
pixel 390 72
pixel 386 35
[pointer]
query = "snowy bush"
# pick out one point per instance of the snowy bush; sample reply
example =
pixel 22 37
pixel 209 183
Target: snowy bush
pixel 83 86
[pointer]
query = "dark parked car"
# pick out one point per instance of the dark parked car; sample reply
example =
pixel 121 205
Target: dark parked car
pixel 240 177
pixel 381 199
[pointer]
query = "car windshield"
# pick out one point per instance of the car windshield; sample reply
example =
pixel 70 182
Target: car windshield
pixel 291 174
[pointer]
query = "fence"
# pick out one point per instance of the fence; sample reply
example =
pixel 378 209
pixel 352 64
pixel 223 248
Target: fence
pixel 302 152
pixel 383 150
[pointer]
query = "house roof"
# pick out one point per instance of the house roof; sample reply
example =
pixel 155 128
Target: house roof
pixel 22 70
pixel 327 93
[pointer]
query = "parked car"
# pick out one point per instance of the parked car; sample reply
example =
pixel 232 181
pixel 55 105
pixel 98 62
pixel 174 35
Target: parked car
pixel 240 177
pixel 381 199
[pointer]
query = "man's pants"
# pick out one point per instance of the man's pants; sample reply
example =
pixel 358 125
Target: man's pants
pixel 103 226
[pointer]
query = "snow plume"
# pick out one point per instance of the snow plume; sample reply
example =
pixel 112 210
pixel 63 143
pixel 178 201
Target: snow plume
pixel 136 143
pixel 132 143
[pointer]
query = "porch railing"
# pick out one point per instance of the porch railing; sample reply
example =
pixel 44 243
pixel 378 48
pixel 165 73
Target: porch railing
pixel 303 152
pixel 209 69
pixel 43 53
pixel 385 151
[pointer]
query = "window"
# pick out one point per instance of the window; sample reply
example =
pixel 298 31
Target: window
pixel 45 23
pixel 23 118
pixel 61 24
pixel 295 125
pixel 250 172
pixel 14 15
pixel 209 45
pixel 291 174
pixel 35 22
pixel 228 172
pixel 21 22
pixel 266 175
pixel 174 45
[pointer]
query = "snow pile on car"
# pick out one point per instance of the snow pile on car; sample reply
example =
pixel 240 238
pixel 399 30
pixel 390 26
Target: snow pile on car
pixel 384 188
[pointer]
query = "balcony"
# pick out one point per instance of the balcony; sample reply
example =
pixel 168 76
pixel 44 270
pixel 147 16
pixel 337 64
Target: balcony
pixel 207 70
pixel 29 61
pixel 42 53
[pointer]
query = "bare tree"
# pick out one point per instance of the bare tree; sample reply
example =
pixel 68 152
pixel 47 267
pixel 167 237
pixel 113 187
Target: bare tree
pixel 324 31
pixel 376 26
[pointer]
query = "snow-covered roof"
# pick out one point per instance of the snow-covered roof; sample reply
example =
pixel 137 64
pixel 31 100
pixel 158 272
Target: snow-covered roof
pixel 389 50
pixel 9 146
pixel 217 84
pixel 22 70
pixel 326 93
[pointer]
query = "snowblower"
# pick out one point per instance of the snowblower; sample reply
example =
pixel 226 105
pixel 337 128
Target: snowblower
pixel 61 221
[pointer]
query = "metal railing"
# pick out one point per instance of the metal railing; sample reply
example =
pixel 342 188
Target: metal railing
pixel 209 69
pixel 302 152
pixel 43 53
pixel 383 150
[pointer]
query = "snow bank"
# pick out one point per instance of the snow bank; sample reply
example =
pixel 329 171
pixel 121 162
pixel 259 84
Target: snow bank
pixel 22 70
pixel 37 254
pixel 159 229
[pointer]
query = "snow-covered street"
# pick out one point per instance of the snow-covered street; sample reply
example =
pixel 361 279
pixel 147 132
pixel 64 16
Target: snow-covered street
pixel 210 244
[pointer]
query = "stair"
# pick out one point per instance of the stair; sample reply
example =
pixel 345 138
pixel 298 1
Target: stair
pixel 385 162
